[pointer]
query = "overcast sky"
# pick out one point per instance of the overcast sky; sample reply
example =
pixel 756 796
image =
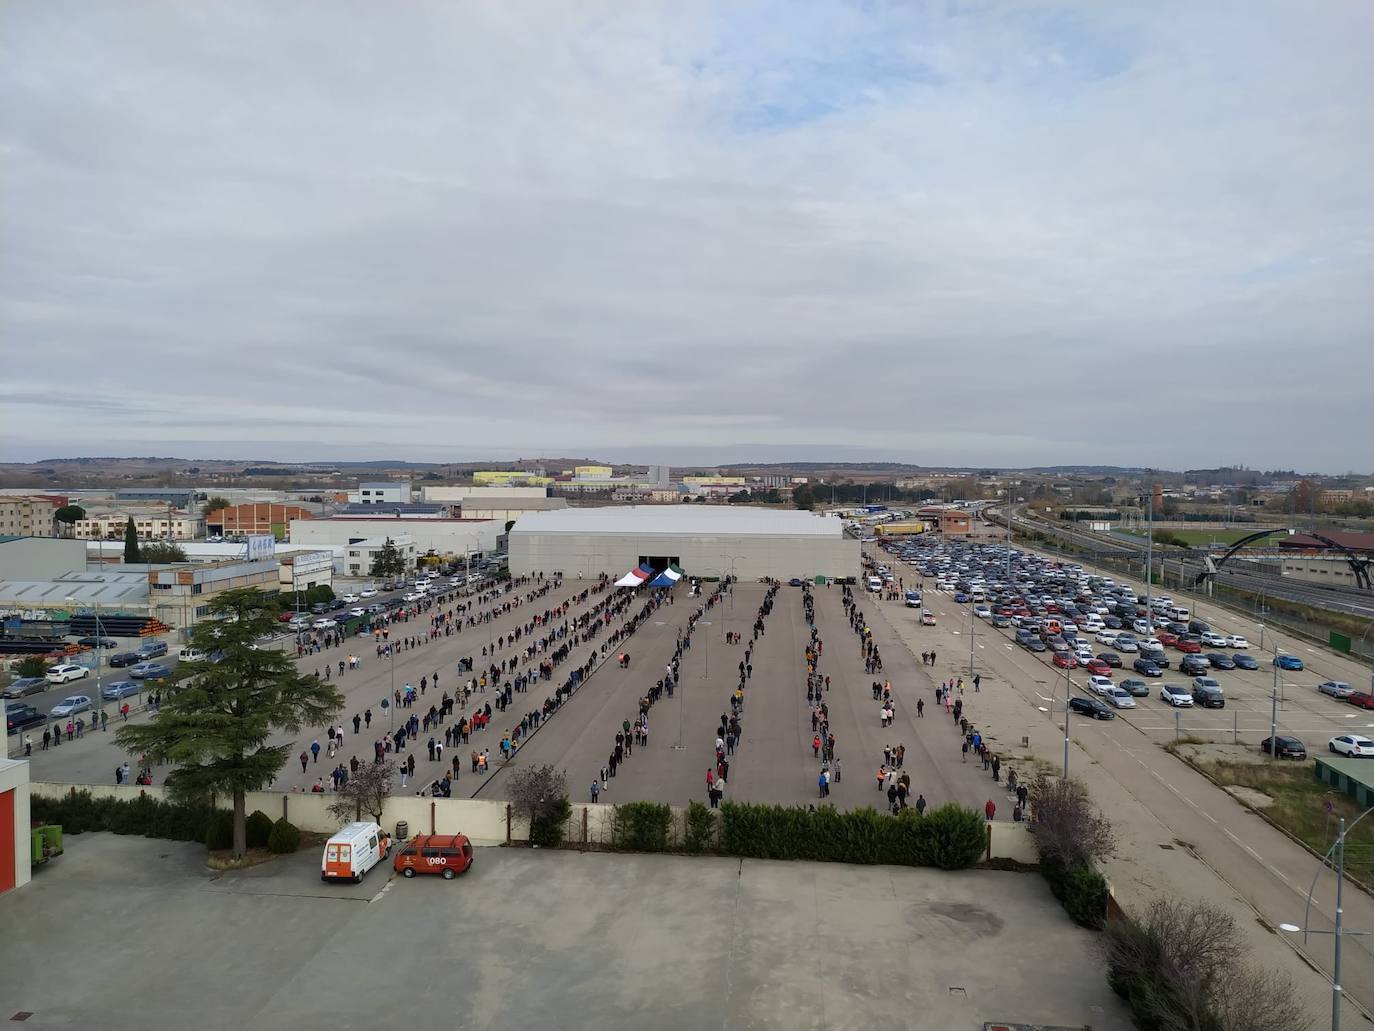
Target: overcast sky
pixel 990 233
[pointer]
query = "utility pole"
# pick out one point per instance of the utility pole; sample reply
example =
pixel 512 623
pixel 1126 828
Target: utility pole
pixel 1068 693
pixel 1273 724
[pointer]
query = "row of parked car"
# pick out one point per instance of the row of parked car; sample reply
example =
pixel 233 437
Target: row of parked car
pixel 1053 607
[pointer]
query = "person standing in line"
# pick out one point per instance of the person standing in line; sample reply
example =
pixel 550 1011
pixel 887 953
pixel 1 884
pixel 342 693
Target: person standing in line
pixel 990 809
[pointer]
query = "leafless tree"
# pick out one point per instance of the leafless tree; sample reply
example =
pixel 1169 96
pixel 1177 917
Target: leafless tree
pixel 538 791
pixel 1182 966
pixel 365 792
pixel 1066 825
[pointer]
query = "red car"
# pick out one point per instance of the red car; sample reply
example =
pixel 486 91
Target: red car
pixel 1362 700
pixel 445 854
pixel 1098 668
pixel 1167 639
pixel 1064 660
pixel 1189 647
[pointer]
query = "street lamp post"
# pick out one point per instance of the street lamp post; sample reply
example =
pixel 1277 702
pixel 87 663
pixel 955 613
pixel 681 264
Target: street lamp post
pixel 1340 931
pixel 1068 695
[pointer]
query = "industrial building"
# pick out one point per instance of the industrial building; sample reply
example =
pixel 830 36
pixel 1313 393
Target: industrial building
pixel 710 542
pixel 39 558
pixel 254 519
pixel 451 537
pixel 32 515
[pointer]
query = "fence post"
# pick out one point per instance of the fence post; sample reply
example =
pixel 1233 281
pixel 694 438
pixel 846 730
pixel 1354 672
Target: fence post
pixel 284 809
pixel 507 823
pixel 989 849
pixel 585 841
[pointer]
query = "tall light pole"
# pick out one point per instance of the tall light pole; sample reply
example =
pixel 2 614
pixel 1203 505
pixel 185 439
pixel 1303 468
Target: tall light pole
pixel 1340 932
pixel 1068 695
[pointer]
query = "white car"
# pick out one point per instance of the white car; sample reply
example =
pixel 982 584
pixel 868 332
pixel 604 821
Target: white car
pixel 368 592
pixel 357 612
pixel 350 599
pixel 1348 744
pixel 1236 641
pixel 1126 644
pixel 1119 697
pixel 67 671
pixel 325 624
pixel 1100 685
pixel 982 612
pixel 1140 626
pixel 1212 639
pixel 73 704
pixel 1176 695
pixel 412 596
pixel 1106 637
pixel 1093 625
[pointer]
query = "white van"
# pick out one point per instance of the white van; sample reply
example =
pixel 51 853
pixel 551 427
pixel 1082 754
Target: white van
pixel 874 584
pixel 1178 614
pixel 189 654
pixel 353 851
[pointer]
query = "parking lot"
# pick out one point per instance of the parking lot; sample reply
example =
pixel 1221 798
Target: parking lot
pixel 127 933
pixel 1251 697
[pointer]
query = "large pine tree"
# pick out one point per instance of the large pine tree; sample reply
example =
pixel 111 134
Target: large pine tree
pixel 216 730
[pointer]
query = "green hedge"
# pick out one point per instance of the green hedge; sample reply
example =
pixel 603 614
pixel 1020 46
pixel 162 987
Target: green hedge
pixel 257 829
pixel 220 834
pixel 950 837
pixel 1081 889
pixel 78 812
pixel 702 828
pixel 641 827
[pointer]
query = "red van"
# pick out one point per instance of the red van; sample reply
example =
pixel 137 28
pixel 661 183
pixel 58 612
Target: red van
pixel 446 854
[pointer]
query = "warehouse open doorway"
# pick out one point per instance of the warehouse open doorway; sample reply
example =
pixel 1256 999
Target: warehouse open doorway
pixel 658 563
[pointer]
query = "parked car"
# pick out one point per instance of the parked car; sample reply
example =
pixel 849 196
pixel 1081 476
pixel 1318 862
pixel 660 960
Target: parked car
pixel 350 599
pixel 443 854
pixel 1146 668
pixel 1111 659
pixel 1352 745
pixel 1289 662
pixel 357 611
pixel 1064 660
pixel 71 705
pixel 119 659
pixel 1207 693
pixel 120 689
pixel 25 686
pixel 1244 661
pixel 1284 747
pixel 1188 647
pixel 98 642
pixel 150 671
pixel 1220 660
pixel 20 715
pixel 1120 698
pixel 325 624
pixel 1337 689
pixel 1194 665
pixel 1136 688
pixel 1036 645
pixel 411 596
pixel 368 592
pixel 152 649
pixel 1176 695
pixel 1166 638
pixel 66 671
pixel 1099 685
pixel 1236 641
pixel 1362 700
pixel 1212 639
pixel 1092 707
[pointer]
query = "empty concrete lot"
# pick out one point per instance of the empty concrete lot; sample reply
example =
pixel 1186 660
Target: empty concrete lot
pixel 132 933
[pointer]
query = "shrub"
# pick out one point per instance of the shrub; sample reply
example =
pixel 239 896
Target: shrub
pixel 219 834
pixel 77 812
pixel 641 826
pixel 32 666
pixel 258 828
pixel 284 838
pixel 546 828
pixel 701 828
pixel 955 836
pixel 1085 897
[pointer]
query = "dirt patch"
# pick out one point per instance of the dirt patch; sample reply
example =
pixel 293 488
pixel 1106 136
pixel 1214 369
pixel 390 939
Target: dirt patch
pixel 1251 797
pixel 1202 752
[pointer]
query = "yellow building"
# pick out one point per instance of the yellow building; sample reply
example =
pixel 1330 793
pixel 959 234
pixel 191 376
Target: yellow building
pixel 508 477
pixel 592 472
pixel 897 529
pixel 715 481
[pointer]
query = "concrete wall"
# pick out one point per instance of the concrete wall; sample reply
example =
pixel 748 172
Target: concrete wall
pixel 40 558
pixel 14 776
pixel 482 821
pixel 755 555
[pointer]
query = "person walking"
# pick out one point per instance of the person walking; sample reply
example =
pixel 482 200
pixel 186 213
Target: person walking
pixel 965 751
pixel 305 761
pixel 920 805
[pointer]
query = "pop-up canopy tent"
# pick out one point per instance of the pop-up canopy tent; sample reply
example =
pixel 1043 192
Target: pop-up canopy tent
pixel 635 577
pixel 667 578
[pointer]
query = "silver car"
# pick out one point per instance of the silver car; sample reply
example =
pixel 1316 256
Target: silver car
pixel 1336 689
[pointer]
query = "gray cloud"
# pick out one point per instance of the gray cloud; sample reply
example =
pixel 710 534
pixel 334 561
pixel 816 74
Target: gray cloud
pixel 975 235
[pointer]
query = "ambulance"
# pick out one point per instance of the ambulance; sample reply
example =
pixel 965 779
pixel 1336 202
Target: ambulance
pixel 353 851
pixel 445 854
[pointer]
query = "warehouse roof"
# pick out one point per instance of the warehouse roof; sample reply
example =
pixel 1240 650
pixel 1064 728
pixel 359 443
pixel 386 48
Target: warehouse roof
pixel 84 588
pixel 683 519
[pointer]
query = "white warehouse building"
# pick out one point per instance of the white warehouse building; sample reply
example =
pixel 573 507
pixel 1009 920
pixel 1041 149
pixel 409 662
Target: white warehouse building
pixel 702 541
